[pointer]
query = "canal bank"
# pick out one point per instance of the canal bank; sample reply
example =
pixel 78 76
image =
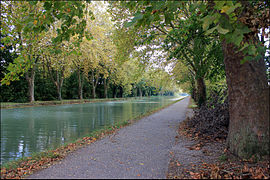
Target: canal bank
pixel 140 150
pixel 26 165
pixel 9 105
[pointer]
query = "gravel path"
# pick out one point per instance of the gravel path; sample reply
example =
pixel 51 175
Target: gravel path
pixel 140 150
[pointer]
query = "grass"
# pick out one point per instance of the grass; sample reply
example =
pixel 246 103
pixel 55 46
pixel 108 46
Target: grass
pixel 7 105
pixel 20 167
pixel 192 104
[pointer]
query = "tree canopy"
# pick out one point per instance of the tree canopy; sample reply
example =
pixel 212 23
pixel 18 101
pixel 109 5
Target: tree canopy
pixel 83 49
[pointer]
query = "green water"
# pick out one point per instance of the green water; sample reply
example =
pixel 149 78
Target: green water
pixel 35 129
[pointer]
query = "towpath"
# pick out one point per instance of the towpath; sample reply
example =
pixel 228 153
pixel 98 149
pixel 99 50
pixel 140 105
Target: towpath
pixel 141 150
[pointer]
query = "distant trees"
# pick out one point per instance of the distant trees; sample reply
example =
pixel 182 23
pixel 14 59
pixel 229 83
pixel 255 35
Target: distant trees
pixel 68 50
pixel 24 25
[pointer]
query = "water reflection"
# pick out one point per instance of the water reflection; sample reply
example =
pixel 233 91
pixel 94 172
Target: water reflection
pixel 35 129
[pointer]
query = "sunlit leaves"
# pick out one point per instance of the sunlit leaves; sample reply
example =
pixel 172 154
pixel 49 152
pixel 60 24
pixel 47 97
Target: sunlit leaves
pixel 26 22
pixel 222 17
pixel 208 20
pixel 229 9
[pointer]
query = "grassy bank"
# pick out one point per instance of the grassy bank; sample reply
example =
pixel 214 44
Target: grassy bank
pixel 27 165
pixel 8 105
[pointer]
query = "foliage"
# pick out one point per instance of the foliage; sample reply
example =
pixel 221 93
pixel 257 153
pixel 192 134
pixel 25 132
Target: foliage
pixel 217 16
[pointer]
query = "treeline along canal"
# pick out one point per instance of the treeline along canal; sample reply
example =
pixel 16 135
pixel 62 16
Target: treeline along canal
pixel 35 129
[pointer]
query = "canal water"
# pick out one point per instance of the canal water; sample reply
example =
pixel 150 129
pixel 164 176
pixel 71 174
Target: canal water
pixel 35 129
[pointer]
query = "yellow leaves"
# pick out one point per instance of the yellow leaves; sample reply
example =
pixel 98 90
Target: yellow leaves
pixel 35 22
pixel 229 8
pixel 225 9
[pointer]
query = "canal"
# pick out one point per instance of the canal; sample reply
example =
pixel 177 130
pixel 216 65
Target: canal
pixel 35 129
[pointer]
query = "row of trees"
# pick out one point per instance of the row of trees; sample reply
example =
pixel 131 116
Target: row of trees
pixel 193 56
pixel 203 38
pixel 202 41
pixel 45 42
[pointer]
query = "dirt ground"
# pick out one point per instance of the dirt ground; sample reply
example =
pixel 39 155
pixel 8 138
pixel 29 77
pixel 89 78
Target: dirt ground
pixel 195 158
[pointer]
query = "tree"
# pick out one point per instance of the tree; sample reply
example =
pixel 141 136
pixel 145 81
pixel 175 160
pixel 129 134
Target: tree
pixel 24 24
pixel 237 25
pixel 187 42
pixel 99 51
pixel 56 58
pixel 28 54
pixel 246 77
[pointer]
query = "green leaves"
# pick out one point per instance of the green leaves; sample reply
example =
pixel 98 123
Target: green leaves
pixel 218 28
pixel 168 17
pixel 208 20
pixel 137 16
pixel 229 9
pixel 221 30
pixel 219 4
pixel 228 27
pixel 47 5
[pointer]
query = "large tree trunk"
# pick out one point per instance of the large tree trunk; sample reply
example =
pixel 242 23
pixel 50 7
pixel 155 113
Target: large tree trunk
pixel 194 94
pixel 201 91
pixel 193 90
pixel 31 84
pixel 248 104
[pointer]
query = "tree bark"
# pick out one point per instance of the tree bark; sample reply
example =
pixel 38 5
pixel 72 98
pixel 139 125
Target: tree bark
pixel 94 92
pixel 105 89
pixel 59 84
pixel 248 95
pixel 80 88
pixel 31 84
pixel 194 93
pixel 201 91
pixel 94 84
pixel 140 90
pixel 134 91
pixel 120 91
pixel 114 91
pixel 58 81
